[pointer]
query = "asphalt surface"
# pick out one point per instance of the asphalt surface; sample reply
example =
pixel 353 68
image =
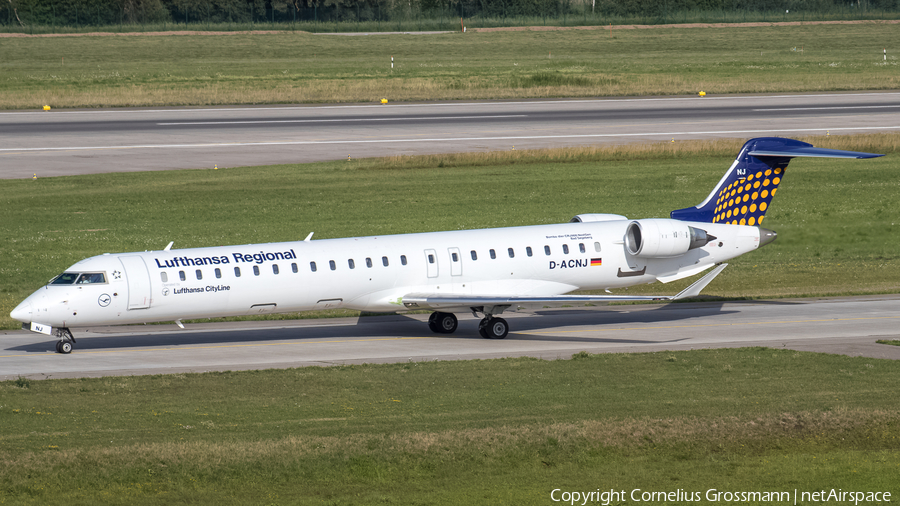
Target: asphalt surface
pixel 65 142
pixel 850 326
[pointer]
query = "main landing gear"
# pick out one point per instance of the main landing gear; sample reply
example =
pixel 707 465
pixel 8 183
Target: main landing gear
pixel 66 340
pixel 442 323
pixel 490 327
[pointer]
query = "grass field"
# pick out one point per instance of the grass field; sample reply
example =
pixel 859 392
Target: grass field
pixel 89 71
pixel 480 432
pixel 836 219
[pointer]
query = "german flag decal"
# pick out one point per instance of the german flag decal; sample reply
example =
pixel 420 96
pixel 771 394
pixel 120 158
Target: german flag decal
pixel 596 262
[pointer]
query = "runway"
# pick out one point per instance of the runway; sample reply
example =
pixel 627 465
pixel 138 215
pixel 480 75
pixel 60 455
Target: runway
pixel 845 325
pixel 68 142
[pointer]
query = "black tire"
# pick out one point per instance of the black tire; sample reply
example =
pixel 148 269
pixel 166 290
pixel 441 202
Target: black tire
pixel 58 346
pixel 433 323
pixel 65 347
pixel 493 328
pixel 447 323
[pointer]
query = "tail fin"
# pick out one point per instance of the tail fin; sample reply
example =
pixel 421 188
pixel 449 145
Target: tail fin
pixel 744 193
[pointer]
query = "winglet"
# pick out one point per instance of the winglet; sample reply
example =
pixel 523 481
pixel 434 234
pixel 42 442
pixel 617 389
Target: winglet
pixel 308 237
pixel 169 246
pixel 700 284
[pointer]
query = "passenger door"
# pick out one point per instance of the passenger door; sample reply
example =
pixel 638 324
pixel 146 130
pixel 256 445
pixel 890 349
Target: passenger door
pixel 431 263
pixel 138 281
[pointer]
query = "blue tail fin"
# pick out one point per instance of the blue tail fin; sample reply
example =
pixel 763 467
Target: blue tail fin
pixel 744 193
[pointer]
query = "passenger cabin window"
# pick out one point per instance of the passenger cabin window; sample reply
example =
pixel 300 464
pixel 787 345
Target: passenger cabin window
pixel 368 262
pixel 218 272
pixel 403 259
pixel 256 270
pixel 312 266
pixel 455 257
pixel 199 274
pixel 384 261
pixel 566 249
pixel 430 258
pixel 351 263
pixel 474 255
pixel 66 278
pixel 164 277
pixel 274 268
pixel 510 252
pixel 294 268
pixel 597 247
pixel 581 247
pixel 332 264
pixel 547 250
pixel 182 276
pixel 493 254
pixel 528 250
pixel 237 272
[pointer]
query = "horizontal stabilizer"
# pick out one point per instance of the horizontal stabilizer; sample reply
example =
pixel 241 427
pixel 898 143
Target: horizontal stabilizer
pixel 812 152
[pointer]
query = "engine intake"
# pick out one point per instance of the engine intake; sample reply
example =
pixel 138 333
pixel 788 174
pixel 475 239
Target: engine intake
pixel 660 238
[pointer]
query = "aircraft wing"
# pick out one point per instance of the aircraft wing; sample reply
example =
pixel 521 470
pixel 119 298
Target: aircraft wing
pixel 440 301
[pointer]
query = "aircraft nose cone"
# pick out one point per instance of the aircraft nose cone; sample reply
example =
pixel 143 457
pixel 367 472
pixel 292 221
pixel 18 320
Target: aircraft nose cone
pixel 766 236
pixel 22 312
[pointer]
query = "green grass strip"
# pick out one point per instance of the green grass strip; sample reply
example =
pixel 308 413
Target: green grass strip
pixel 506 431
pixel 240 68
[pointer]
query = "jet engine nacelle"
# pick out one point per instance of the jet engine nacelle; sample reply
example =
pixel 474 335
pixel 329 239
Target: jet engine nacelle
pixel 660 238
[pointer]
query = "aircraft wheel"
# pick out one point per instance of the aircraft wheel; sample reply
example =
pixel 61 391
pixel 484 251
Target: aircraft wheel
pixel 443 323
pixel 493 328
pixel 58 349
pixel 447 323
pixel 64 347
pixel 433 323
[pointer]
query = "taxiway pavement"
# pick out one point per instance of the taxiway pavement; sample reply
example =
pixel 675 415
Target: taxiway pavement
pixel 845 325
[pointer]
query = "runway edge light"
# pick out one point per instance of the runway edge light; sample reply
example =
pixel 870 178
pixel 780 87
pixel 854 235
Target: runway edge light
pixel 46 107
pixel 702 93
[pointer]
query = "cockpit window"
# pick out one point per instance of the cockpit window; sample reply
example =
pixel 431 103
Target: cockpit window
pixel 90 278
pixel 66 278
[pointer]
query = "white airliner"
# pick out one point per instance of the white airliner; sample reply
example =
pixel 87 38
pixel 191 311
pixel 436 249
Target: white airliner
pixel 480 271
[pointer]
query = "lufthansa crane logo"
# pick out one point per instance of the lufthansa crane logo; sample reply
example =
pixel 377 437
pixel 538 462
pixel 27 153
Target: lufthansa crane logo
pixel 165 292
pixel 104 300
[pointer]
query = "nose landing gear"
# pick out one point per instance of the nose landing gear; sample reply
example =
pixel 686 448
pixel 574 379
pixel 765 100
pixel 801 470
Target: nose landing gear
pixel 66 340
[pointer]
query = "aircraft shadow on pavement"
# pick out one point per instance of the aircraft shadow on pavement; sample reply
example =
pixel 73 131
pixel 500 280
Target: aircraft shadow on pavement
pixel 397 327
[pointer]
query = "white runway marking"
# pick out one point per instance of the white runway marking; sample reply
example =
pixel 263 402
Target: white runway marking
pixel 447 139
pixel 354 120
pixel 450 104
pixel 780 109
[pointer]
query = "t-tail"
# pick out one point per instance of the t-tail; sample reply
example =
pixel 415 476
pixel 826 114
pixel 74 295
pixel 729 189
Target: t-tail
pixel 745 192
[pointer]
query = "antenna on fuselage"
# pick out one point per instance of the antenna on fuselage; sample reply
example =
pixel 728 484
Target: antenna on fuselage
pixel 169 246
pixel 308 237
